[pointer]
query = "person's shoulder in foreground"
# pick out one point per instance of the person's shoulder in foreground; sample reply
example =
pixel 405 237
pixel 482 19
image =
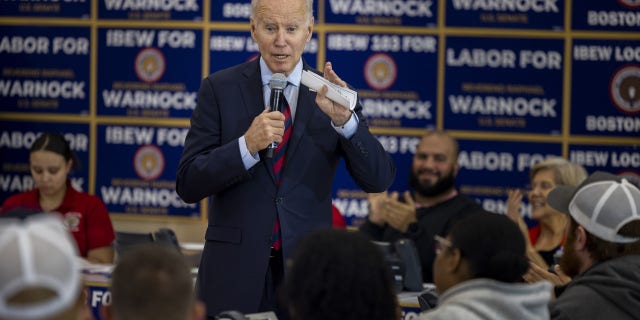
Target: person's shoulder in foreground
pixel 478 273
pixel 602 249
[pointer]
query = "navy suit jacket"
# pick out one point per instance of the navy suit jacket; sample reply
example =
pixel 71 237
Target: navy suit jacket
pixel 243 203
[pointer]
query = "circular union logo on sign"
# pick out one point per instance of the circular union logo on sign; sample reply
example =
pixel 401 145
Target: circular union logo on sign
pixel 625 89
pixel 150 65
pixel 148 162
pixel 380 71
pixel 630 3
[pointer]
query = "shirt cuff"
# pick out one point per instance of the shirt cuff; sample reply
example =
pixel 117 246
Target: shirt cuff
pixel 349 128
pixel 247 159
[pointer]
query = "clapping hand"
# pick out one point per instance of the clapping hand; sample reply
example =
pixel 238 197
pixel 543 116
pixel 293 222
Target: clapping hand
pixel 536 273
pixel 400 214
pixel 376 208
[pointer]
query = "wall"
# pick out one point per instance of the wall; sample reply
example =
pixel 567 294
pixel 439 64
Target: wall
pixel 514 81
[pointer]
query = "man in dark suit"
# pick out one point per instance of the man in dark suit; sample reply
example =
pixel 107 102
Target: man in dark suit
pixel 224 159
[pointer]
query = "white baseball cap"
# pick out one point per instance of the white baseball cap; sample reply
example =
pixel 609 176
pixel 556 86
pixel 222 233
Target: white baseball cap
pixel 37 252
pixel 602 204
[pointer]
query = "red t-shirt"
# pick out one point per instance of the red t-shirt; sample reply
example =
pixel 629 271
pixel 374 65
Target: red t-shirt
pixel 85 216
pixel 534 233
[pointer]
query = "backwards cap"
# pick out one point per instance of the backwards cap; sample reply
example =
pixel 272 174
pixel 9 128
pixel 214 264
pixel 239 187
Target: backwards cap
pixel 602 204
pixel 37 252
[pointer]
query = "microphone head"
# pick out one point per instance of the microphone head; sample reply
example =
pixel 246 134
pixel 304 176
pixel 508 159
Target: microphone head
pixel 278 81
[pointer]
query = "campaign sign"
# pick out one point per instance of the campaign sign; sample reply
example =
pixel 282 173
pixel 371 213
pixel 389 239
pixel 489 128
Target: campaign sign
pixel 503 84
pixel 414 13
pixel 146 159
pixel 151 10
pixel 157 75
pixel 98 295
pixel 349 197
pixel 229 48
pixel 16 138
pixel 489 168
pixel 605 90
pixel 616 159
pixel 614 15
pixel 410 311
pixel 395 75
pixel 46 9
pixel 44 69
pixel 239 10
pixel 546 15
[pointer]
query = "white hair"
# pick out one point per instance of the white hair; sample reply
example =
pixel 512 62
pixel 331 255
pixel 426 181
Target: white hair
pixel 254 6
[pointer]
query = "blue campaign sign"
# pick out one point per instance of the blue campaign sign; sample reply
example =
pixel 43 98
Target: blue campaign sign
pixel 157 75
pixel 239 10
pixel 415 13
pixel 151 10
pixel 16 137
pixel 616 159
pixel 351 200
pixel 504 84
pixel 46 9
pixel 410 311
pixel 605 90
pixel 147 161
pixel 619 15
pixel 229 48
pixel 546 15
pixel 44 69
pixel 98 295
pixel 489 168
pixel 395 75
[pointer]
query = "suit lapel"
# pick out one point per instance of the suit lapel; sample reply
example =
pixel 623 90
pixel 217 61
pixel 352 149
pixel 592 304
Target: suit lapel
pixel 304 111
pixel 251 89
pixel 253 96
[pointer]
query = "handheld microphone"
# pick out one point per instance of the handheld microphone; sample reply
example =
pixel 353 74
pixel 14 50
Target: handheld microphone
pixel 277 84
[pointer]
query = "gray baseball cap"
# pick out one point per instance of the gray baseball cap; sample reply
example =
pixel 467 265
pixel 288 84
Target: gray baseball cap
pixel 602 204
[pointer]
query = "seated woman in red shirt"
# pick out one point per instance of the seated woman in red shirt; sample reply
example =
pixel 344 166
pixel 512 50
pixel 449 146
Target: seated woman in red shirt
pixel 85 216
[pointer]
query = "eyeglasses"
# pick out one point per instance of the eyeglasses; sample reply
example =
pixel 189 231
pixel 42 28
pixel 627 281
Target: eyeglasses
pixel 441 243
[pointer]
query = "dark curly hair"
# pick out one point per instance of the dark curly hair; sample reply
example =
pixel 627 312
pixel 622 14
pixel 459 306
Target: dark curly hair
pixel 341 275
pixel 493 245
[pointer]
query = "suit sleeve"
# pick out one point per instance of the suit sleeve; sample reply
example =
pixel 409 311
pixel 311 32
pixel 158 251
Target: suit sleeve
pixel 208 164
pixel 366 160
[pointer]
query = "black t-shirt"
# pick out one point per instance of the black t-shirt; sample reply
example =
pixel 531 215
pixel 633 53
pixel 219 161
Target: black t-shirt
pixel 432 220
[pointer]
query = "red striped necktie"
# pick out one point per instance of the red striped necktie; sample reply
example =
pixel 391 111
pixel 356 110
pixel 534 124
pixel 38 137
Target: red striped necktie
pixel 279 157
